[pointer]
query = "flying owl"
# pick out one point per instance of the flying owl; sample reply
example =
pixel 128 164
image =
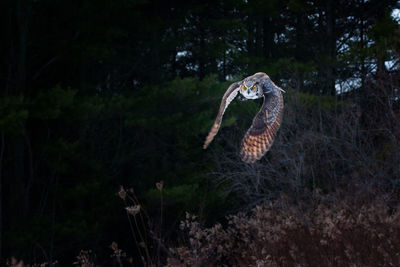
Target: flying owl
pixel 261 134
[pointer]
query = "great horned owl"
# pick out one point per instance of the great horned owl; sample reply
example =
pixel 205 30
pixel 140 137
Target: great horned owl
pixel 261 134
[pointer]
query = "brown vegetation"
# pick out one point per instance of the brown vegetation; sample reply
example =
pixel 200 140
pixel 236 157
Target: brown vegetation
pixel 330 231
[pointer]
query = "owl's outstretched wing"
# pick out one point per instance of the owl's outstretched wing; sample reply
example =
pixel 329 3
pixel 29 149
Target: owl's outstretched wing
pixel 261 134
pixel 229 95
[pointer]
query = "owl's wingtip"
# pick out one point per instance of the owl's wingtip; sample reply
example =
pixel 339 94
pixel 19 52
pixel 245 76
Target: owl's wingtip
pixel 206 143
pixel 247 157
pixel 281 90
pixel 248 161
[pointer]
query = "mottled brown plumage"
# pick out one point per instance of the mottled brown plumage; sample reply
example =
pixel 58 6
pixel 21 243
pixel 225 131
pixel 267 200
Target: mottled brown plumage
pixel 261 135
pixel 259 138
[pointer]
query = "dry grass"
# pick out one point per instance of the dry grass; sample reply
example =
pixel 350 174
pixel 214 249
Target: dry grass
pixel 329 232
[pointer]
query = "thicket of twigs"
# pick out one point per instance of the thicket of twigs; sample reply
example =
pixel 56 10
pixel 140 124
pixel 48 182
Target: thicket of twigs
pixel 327 231
pixel 324 142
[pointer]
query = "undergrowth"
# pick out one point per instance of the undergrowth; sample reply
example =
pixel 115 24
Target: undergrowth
pixel 328 231
pixel 337 229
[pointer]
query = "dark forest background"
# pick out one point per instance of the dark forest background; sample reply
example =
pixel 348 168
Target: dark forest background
pixel 98 94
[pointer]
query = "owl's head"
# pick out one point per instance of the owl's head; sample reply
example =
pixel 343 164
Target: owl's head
pixel 250 89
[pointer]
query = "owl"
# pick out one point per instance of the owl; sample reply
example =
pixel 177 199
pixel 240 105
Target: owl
pixel 261 134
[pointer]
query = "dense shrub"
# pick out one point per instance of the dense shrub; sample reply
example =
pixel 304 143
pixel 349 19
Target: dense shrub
pixel 332 231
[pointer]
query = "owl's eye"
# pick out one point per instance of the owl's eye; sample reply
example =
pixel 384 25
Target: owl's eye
pixel 253 88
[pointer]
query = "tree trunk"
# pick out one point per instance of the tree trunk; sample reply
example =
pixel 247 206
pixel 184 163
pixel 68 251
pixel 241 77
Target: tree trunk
pixel 268 37
pixel 331 47
pixel 22 14
pixel 22 20
pixel 362 56
pixel 1 194
pixel 299 52
pixel 250 40
pixel 259 36
pixel 201 52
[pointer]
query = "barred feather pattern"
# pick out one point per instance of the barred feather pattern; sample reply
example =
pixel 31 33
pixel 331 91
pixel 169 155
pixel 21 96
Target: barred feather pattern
pixel 228 97
pixel 260 137
pixel 261 134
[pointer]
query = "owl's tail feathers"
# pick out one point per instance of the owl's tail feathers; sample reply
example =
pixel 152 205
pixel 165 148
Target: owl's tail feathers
pixel 211 134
